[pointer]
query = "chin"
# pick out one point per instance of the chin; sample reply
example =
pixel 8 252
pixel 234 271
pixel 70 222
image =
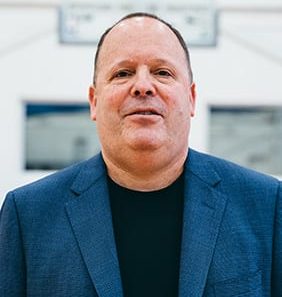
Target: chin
pixel 146 139
pixel 145 143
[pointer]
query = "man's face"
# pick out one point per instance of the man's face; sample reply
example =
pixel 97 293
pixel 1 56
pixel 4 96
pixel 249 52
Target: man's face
pixel 143 98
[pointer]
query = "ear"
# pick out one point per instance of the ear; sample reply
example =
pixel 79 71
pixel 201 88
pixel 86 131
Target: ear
pixel 192 99
pixel 92 102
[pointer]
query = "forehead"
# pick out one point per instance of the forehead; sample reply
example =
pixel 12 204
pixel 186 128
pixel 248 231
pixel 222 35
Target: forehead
pixel 141 37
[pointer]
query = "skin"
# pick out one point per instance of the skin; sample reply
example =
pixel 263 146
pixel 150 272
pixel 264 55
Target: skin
pixel 143 101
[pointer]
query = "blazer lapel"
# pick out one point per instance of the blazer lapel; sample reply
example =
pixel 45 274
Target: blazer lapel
pixel 90 217
pixel 203 210
pixel 91 221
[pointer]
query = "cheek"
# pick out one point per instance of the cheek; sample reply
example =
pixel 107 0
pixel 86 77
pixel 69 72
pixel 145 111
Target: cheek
pixel 177 102
pixel 108 109
pixel 114 96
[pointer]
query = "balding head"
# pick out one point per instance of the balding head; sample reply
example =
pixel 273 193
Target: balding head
pixel 142 15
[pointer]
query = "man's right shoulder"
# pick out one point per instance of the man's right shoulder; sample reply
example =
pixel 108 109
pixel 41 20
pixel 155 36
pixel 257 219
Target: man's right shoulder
pixel 56 185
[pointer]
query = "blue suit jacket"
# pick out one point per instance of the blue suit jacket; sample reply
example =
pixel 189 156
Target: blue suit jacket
pixel 56 236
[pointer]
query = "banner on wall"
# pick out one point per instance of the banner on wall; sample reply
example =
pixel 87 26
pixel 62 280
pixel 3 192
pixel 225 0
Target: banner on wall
pixel 85 23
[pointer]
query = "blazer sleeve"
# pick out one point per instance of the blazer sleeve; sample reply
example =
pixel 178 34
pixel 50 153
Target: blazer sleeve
pixel 276 286
pixel 12 262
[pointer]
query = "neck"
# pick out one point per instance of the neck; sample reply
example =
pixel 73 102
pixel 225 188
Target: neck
pixel 148 173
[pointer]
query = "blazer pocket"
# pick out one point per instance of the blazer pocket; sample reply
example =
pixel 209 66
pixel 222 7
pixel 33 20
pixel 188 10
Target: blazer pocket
pixel 250 286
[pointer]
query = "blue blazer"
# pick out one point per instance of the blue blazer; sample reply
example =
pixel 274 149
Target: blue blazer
pixel 56 236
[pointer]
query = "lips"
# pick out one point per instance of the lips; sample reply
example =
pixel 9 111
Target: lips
pixel 145 112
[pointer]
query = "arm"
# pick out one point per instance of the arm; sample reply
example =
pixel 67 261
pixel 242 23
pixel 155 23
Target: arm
pixel 12 262
pixel 276 286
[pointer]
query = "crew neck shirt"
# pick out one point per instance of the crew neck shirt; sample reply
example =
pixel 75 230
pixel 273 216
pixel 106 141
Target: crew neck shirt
pixel 147 228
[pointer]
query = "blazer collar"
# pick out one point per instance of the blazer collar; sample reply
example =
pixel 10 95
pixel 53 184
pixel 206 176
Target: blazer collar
pixel 204 207
pixel 90 216
pixel 91 171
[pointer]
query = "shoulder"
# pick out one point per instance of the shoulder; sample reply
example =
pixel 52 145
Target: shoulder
pixel 58 185
pixel 232 177
pixel 250 195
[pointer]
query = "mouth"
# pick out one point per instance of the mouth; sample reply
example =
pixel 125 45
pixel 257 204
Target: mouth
pixel 145 112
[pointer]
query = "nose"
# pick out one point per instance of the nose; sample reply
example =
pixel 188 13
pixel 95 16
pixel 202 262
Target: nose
pixel 142 86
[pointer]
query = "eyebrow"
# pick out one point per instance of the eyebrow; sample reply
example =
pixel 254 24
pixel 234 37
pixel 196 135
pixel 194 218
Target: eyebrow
pixel 156 61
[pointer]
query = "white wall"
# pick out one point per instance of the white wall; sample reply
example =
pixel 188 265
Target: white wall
pixel 245 67
pixel 33 66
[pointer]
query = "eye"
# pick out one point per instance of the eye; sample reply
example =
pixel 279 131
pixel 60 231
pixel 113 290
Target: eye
pixel 122 73
pixel 163 73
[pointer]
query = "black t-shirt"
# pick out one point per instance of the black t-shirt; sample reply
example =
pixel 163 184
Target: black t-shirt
pixel 147 228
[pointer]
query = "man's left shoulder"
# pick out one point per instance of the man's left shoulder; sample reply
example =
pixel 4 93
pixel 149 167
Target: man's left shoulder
pixel 233 176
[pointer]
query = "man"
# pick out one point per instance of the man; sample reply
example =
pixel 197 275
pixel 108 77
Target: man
pixel 147 216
